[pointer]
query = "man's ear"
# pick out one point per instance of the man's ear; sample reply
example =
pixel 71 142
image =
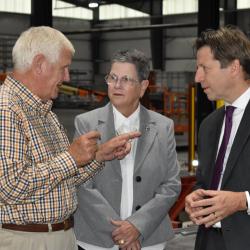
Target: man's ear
pixel 235 67
pixel 38 63
pixel 144 86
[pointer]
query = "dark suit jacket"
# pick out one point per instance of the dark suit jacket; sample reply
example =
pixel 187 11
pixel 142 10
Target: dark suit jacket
pixel 236 227
pixel 156 181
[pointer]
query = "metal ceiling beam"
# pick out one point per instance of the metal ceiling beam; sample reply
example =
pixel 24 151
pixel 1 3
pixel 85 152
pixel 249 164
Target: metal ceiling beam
pixel 143 6
pixel 132 28
pixel 140 5
pixel 81 3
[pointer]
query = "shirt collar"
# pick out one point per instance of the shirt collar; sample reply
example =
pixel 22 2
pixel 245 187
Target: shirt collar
pixel 27 98
pixel 120 120
pixel 242 101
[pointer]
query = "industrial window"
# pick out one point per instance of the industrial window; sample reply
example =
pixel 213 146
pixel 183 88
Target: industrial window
pixel 116 11
pixel 16 6
pixel 112 11
pixel 179 6
pixel 243 4
pixel 60 8
pixel 63 9
pixel 189 6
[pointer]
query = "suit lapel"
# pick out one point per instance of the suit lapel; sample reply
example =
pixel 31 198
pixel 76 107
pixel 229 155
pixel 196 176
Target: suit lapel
pixel 147 128
pixel 241 137
pixel 107 129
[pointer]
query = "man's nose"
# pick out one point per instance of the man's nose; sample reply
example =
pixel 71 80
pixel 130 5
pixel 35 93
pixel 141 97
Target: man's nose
pixel 199 75
pixel 66 75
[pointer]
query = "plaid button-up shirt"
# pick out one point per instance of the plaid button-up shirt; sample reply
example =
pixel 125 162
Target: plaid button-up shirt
pixel 38 177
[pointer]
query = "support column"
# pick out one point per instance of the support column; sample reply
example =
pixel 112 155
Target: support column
pixel 208 18
pixel 156 35
pixel 41 13
pixel 230 12
pixel 95 45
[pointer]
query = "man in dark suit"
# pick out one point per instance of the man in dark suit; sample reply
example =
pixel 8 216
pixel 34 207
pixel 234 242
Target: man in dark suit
pixel 220 204
pixel 127 205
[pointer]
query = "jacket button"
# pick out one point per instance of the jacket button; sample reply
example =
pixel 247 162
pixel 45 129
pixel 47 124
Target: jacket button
pixel 138 178
pixel 137 207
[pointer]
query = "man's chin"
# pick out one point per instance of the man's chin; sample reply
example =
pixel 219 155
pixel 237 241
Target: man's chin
pixel 210 98
pixel 54 96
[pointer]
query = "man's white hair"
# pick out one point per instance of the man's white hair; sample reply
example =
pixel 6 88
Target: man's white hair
pixel 39 40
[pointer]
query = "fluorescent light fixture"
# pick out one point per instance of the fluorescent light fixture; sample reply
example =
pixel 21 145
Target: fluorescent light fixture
pixel 93 4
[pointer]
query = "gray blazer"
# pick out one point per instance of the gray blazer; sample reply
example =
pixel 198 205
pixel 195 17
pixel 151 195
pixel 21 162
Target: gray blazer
pixel 156 181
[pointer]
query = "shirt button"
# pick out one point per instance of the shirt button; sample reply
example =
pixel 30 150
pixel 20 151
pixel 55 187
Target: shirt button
pixel 137 207
pixel 138 178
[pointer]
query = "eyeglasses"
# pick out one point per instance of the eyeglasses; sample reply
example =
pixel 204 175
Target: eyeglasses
pixel 112 79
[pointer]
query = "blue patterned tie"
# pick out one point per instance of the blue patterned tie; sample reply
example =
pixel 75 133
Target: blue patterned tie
pixel 223 147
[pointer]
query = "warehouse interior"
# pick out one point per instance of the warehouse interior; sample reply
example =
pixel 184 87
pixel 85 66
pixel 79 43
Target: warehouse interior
pixel 165 30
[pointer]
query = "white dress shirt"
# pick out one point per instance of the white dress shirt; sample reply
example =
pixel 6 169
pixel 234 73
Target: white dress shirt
pixel 123 125
pixel 240 105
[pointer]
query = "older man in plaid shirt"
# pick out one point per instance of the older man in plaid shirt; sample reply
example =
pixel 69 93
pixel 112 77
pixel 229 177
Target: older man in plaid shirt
pixel 39 170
